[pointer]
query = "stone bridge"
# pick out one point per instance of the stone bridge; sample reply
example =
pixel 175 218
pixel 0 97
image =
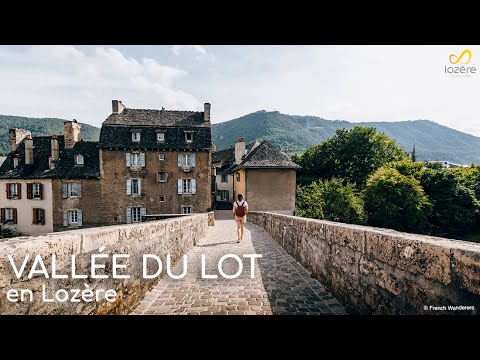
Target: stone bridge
pixel 307 267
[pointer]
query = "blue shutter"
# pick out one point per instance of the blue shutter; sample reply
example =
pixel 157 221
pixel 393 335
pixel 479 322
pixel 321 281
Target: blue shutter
pixel 65 191
pixel 129 215
pixel 80 217
pixel 65 218
pixel 143 212
pixel 79 187
pixel 129 187
pixel 180 188
pixel 192 160
pixel 179 160
pixel 194 186
pixel 139 186
pixel 227 195
pixel 142 159
pixel 128 160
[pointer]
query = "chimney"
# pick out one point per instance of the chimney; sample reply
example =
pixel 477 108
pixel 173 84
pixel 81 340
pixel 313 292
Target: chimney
pixel 214 147
pixel 117 107
pixel 206 112
pixel 239 150
pixel 72 133
pixel 55 150
pixel 28 150
pixel 16 137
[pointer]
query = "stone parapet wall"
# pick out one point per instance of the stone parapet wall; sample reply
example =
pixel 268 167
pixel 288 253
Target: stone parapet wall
pixel 174 236
pixel 381 271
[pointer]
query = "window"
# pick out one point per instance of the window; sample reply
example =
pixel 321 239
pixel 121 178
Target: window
pixel 134 187
pixel 224 195
pixel 136 136
pixel 72 190
pixel 79 160
pixel 162 176
pixel 238 177
pixel 135 160
pixel 161 157
pixel 186 160
pixel 187 209
pixel 160 137
pixel 34 191
pixel 15 163
pixel 73 218
pixel 39 217
pixel 189 136
pixel 134 214
pixel 14 191
pixel 224 178
pixel 187 186
pixel 162 199
pixel 10 216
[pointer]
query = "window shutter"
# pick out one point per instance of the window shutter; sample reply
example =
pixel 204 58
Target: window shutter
pixel 179 160
pixel 226 178
pixel 158 177
pixel 180 189
pixel 129 187
pixel 7 189
pixel 41 191
pixel 34 221
pixel 227 195
pixel 15 216
pixel 192 159
pixel 139 186
pixel 142 159
pixel 65 191
pixel 143 212
pixel 194 186
pixel 65 218
pixel 80 217
pixel 129 215
pixel 19 189
pixel 43 216
pixel 79 191
pixel 2 215
pixel 29 191
pixel 128 160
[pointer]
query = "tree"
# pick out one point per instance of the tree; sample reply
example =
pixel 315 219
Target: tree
pixel 414 155
pixel 350 154
pixel 396 201
pixel 332 200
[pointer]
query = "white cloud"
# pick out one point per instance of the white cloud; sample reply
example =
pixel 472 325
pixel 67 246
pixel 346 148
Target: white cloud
pixel 63 81
pixel 200 51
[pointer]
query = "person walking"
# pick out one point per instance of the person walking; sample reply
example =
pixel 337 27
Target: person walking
pixel 240 209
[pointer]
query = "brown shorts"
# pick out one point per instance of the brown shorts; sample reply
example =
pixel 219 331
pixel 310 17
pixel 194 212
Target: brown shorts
pixel 242 219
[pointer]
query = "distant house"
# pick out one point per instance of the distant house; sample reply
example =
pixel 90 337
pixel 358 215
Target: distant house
pixel 446 164
pixel 51 182
pixel 261 172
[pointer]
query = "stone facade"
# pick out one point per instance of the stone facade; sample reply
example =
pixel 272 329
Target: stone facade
pixel 16 136
pixel 115 173
pixel 174 237
pixel 381 271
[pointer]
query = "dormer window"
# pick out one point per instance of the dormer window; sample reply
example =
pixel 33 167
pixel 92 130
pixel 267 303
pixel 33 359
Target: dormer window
pixel 188 136
pixel 160 137
pixel 15 162
pixel 79 159
pixel 136 136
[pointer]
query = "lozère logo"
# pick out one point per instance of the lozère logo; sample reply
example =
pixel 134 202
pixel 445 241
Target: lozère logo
pixel 460 70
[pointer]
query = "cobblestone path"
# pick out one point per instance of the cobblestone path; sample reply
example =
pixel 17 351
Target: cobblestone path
pixel 280 286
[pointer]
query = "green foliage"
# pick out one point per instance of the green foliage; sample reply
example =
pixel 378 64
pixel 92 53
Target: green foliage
pixel 350 154
pixel 295 133
pixel 39 127
pixel 8 232
pixel 396 201
pixel 330 200
pixel 414 154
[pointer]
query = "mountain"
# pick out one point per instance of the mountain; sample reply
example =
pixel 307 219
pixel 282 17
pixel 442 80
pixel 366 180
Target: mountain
pixel 38 127
pixel 293 133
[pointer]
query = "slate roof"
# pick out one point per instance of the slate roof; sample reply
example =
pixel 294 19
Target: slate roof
pixel 117 130
pixel 65 168
pixel 228 155
pixel 265 156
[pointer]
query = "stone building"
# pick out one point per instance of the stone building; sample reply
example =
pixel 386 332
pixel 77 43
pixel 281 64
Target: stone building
pixel 154 162
pixel 51 182
pixel 265 176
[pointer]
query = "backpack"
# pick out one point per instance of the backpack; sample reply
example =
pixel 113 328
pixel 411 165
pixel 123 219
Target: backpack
pixel 240 210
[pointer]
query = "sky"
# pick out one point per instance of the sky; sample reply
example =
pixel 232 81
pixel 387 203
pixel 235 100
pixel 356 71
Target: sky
pixel 354 83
